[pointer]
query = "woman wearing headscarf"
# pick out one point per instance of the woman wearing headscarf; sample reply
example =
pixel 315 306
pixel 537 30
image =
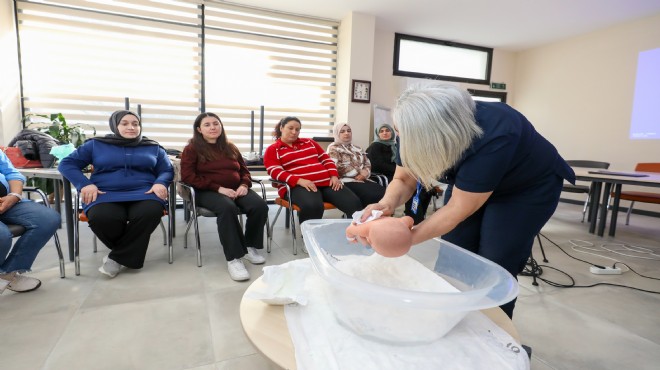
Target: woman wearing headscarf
pixel 353 166
pixel 126 194
pixel 382 152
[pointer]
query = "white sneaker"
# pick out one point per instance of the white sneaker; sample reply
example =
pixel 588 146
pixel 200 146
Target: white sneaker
pixel 110 267
pixel 254 257
pixel 237 270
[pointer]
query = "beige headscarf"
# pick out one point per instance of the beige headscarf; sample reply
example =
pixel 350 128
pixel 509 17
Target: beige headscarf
pixel 335 132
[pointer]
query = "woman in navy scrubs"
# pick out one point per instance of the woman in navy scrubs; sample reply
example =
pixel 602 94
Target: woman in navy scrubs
pixel 504 177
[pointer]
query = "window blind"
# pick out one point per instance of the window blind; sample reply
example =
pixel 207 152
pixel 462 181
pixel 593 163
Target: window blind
pixel 284 62
pixel 83 58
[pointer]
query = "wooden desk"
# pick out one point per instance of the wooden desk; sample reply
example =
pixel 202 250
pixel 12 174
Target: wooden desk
pixel 53 173
pixel 652 180
pixel 265 325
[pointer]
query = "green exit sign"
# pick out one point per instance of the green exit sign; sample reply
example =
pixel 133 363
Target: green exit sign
pixel 498 85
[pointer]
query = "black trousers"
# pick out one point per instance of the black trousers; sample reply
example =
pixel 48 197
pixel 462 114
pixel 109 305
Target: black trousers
pixel 234 242
pixel 504 228
pixel 422 206
pixel 368 192
pixel 311 203
pixel 125 228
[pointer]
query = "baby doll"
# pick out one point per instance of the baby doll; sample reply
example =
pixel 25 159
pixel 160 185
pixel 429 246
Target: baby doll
pixel 388 236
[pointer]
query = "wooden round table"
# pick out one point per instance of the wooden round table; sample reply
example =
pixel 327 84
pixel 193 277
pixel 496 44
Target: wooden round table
pixel 265 325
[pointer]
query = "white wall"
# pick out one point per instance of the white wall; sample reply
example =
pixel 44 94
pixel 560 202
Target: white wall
pixel 10 108
pixel 579 94
pixel 387 87
pixel 354 62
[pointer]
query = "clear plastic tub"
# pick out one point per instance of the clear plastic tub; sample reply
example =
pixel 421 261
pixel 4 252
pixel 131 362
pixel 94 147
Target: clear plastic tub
pixel 412 299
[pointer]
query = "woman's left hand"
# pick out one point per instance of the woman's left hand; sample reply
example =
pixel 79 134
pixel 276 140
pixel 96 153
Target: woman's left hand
pixel 160 190
pixel 335 183
pixel 241 191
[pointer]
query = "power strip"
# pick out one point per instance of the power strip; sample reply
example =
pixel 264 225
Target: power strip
pixel 605 271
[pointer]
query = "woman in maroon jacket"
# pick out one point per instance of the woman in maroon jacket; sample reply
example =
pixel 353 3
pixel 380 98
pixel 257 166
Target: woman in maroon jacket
pixel 215 168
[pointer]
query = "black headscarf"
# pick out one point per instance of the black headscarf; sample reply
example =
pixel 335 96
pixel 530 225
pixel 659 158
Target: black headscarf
pixel 116 139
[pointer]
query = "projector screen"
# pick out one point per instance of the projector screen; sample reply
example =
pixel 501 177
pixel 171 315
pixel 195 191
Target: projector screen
pixel 645 120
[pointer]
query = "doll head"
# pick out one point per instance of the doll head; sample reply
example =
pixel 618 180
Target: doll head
pixel 388 236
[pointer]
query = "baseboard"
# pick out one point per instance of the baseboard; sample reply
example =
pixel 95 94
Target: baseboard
pixel 642 212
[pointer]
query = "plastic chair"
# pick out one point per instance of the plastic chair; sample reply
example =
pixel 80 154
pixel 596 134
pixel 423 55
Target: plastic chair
pixel 18 230
pixel 641 196
pixel 167 235
pixel 290 207
pixel 584 189
pixel 187 192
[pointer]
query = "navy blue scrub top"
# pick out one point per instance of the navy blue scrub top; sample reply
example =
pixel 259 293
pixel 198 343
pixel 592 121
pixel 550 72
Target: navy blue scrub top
pixel 509 158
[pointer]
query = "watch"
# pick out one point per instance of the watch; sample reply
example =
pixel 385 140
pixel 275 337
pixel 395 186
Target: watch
pixel 361 92
pixel 19 196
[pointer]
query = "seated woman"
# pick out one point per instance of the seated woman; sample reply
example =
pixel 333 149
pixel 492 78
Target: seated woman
pixel 308 170
pixel 215 168
pixel 353 166
pixel 382 154
pixel 125 196
pixel 40 224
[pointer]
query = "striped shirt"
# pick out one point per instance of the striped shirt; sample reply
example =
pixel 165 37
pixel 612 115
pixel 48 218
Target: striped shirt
pixel 303 159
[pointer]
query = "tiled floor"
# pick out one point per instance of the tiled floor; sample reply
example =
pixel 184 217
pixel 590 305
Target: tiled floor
pixel 180 316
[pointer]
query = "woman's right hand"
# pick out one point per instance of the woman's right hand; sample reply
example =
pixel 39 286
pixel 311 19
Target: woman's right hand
pixel 307 184
pixel 89 193
pixel 227 192
pixel 386 209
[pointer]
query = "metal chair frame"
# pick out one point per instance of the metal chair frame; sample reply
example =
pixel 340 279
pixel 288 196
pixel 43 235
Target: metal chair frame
pixel 167 236
pixel 584 189
pixel 290 208
pixel 18 230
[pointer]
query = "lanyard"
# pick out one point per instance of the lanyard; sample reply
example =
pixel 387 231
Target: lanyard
pixel 415 201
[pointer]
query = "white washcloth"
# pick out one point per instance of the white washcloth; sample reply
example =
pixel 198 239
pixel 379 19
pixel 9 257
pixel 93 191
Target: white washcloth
pixel 321 343
pixel 283 284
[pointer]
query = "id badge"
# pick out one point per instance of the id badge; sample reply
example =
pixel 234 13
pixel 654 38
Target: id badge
pixel 415 201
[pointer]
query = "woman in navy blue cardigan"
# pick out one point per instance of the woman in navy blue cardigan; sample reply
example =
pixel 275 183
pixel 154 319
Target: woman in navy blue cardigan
pixel 125 196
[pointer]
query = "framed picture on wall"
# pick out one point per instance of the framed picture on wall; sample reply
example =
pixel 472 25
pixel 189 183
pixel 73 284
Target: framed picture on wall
pixel 361 91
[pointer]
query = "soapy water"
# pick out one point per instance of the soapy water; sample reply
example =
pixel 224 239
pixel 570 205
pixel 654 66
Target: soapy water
pixel 388 322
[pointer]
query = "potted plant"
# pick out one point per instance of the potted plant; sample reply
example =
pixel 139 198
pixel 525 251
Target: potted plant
pixel 56 126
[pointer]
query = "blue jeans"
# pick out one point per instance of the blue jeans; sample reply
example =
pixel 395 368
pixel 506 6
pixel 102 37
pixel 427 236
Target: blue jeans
pixel 40 223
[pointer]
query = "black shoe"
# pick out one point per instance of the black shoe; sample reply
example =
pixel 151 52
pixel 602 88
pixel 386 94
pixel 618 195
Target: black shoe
pixel 528 349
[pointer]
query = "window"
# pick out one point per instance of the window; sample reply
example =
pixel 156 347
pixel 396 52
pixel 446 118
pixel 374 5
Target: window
pixel 174 59
pixel 441 60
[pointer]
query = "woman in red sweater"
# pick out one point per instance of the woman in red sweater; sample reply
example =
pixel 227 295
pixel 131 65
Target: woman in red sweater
pixel 215 168
pixel 308 170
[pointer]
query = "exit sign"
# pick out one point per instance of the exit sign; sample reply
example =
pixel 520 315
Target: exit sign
pixel 498 85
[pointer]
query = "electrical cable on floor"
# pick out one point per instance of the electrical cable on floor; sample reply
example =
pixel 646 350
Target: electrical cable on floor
pixel 538 269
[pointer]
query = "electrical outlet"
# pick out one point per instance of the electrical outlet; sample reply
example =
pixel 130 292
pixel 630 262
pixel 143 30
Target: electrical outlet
pixel 606 271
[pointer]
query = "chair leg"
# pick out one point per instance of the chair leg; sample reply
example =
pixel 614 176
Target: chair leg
pixel 162 228
pixel 538 237
pixel 170 247
pixel 60 255
pixel 271 226
pixel 629 212
pixel 199 245
pixel 292 221
pixel 584 209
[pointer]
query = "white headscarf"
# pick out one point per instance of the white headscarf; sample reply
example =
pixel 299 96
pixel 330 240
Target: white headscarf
pixel 335 132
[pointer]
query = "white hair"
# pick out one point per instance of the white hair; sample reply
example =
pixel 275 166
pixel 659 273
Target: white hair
pixel 436 125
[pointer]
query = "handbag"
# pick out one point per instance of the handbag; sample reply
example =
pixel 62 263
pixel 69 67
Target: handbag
pixel 17 158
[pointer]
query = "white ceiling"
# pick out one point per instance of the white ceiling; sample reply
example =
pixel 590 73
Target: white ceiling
pixel 504 24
